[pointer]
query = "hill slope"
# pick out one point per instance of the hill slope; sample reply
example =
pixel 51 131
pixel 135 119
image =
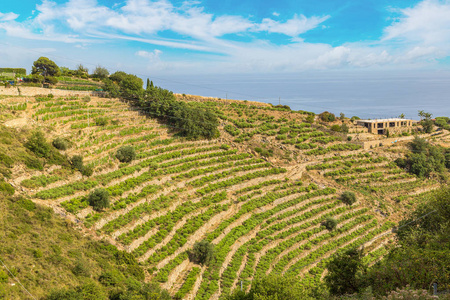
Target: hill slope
pixel 260 192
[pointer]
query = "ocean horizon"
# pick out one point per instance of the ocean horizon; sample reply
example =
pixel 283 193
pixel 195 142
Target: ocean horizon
pixel 364 94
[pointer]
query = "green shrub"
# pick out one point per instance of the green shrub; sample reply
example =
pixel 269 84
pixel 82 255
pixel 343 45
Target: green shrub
pixel 6 188
pixel 87 171
pixel 327 117
pixel 126 154
pixel 348 197
pixel 330 223
pixel 99 199
pixel 3 276
pixel 6 160
pixel 61 143
pixel 202 252
pixel 81 268
pixel 101 121
pixel 33 163
pixel 38 145
pixel 77 162
pixel 336 128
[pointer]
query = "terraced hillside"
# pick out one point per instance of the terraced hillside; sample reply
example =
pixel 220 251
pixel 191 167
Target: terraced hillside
pixel 260 193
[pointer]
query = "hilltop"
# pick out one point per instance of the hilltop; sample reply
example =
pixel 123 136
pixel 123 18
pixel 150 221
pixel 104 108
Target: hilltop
pixel 261 190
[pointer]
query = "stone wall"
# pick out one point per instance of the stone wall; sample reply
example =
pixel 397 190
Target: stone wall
pixel 32 91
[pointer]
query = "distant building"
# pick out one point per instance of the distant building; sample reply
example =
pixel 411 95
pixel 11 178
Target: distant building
pixel 379 126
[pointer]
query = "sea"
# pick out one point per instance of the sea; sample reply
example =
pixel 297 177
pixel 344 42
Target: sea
pixel 368 95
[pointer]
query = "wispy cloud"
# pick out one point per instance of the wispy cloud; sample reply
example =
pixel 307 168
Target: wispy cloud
pixel 235 43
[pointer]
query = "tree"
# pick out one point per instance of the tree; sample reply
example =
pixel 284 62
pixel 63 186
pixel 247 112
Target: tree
pixel 125 154
pixel 348 197
pixel 422 254
pixel 45 67
pixel 327 117
pixel 402 116
pixel 99 199
pixel 38 145
pixel 101 72
pixel 82 70
pixel 310 119
pixel 344 128
pixel 342 116
pixel 344 272
pixel 202 252
pixel 330 223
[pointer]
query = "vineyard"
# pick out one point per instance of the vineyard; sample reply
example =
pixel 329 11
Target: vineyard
pixel 260 193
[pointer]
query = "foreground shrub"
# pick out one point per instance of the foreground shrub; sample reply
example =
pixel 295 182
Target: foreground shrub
pixel 77 162
pixel 61 143
pixel 99 199
pixel 202 253
pixel 348 197
pixel 330 223
pixel 125 154
pixel 38 145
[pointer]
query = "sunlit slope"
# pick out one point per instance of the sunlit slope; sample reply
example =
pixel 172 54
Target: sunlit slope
pixel 260 192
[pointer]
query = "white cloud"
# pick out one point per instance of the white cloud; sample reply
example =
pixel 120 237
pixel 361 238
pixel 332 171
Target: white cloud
pixel 292 27
pixel 151 56
pixel 8 17
pixel 426 23
pixel 419 36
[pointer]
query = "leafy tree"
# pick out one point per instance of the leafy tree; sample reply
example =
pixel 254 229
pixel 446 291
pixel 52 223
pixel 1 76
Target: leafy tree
pixel 402 116
pixel 82 70
pixel 422 255
pixel 336 128
pixel 99 199
pixel 348 197
pixel 426 121
pixel 101 72
pixel 310 119
pixel 344 128
pixel 327 117
pixel 38 144
pixel 342 116
pixel 330 223
pixel 45 67
pixel 77 162
pixel 424 158
pixel 126 154
pixel 61 143
pixel 202 252
pixel 344 272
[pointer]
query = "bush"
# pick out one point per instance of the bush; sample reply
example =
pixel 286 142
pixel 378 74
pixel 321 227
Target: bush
pixel 126 154
pixel 327 117
pixel 38 144
pixel 87 171
pixel 77 162
pixel 330 223
pixel 99 199
pixel 61 143
pixel 3 276
pixel 101 121
pixel 81 268
pixel 202 253
pixel 6 188
pixel 348 197
pixel 336 128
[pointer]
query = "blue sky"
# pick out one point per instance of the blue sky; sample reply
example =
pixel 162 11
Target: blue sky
pixel 210 37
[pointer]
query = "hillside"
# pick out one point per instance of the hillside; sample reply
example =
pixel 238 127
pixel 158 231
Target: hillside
pixel 260 192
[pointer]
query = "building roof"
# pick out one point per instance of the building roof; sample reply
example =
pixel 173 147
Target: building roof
pixel 385 120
